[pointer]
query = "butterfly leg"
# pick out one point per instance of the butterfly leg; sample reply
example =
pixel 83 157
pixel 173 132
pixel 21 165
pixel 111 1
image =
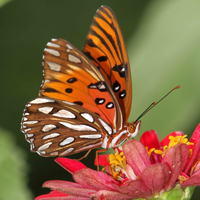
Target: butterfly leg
pixel 85 156
pixel 97 158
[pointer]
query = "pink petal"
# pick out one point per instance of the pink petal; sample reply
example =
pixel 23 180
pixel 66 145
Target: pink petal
pixel 103 160
pixel 136 189
pixel 176 157
pixel 110 195
pixel 150 139
pixel 51 194
pixel 166 140
pixel 194 180
pixel 60 184
pixel 156 176
pixel 195 149
pixel 70 165
pixel 96 180
pixel 70 188
pixel 136 156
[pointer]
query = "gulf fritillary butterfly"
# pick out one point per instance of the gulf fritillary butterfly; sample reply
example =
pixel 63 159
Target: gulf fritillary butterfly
pixel 85 98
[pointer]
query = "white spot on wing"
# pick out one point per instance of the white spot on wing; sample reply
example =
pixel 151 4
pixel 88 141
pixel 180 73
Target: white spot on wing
pixel 52 135
pixel 48 127
pixel 26 130
pixel 30 135
pixel 53 39
pixel 45 110
pixel 32 146
pixel 54 66
pixel 52 51
pixel 69 103
pixel 78 127
pixel 67 151
pixel 25 118
pixel 31 122
pixel 66 141
pixel 73 58
pixel 106 126
pixel 94 136
pixel 54 153
pixel 45 146
pixel 65 114
pixel 41 100
pixel 69 46
pixel 88 117
pixel 53 45
pixel 31 140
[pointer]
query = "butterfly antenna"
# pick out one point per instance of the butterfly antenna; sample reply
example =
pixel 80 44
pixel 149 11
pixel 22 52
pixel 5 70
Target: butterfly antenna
pixel 155 103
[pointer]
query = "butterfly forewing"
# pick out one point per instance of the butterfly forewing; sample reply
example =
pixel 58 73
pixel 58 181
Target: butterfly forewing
pixel 106 48
pixel 85 98
pixel 55 127
pixel 70 76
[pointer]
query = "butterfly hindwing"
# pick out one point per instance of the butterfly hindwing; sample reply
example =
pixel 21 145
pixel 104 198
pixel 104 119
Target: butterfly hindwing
pixel 61 128
pixel 106 48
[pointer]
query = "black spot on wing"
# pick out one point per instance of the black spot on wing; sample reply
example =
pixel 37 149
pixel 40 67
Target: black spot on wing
pixel 68 90
pixel 71 80
pixel 78 103
pixel 99 101
pixel 122 94
pixel 116 86
pixel 120 69
pixel 102 58
pixel 109 105
pixel 100 85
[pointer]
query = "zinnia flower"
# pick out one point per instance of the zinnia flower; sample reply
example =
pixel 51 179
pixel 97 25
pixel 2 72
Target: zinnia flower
pixel 149 169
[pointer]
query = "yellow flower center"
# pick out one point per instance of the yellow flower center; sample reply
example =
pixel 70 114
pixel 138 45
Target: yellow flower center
pixel 173 142
pixel 117 165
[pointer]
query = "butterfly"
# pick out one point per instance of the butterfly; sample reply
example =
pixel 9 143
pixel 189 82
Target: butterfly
pixel 85 98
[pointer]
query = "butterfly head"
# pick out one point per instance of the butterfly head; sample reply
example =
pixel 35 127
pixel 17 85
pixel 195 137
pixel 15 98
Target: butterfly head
pixel 133 128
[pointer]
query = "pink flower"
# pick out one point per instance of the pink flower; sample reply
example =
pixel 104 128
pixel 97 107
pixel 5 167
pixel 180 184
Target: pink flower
pixel 146 169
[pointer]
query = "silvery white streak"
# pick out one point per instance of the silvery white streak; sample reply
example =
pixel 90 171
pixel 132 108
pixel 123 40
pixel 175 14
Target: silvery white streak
pixel 78 127
pixel 73 58
pixel 53 52
pixel 48 127
pixel 106 126
pixel 45 146
pixel 45 110
pixel 88 117
pixel 94 136
pixel 67 151
pixel 52 135
pixel 54 66
pixel 67 141
pixel 41 100
pixel 65 114
pixel 53 45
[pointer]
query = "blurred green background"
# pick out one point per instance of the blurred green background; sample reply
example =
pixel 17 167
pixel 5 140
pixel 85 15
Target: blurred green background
pixel 163 42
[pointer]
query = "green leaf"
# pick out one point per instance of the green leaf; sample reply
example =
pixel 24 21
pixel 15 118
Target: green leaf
pixel 13 170
pixel 3 2
pixel 164 52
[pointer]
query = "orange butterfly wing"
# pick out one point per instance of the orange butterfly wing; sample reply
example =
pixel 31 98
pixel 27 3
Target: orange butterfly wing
pixel 70 76
pixel 106 49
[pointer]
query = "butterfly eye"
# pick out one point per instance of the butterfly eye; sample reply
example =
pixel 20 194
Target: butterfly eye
pixel 131 128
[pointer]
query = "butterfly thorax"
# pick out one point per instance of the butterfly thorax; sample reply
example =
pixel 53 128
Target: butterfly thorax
pixel 116 139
